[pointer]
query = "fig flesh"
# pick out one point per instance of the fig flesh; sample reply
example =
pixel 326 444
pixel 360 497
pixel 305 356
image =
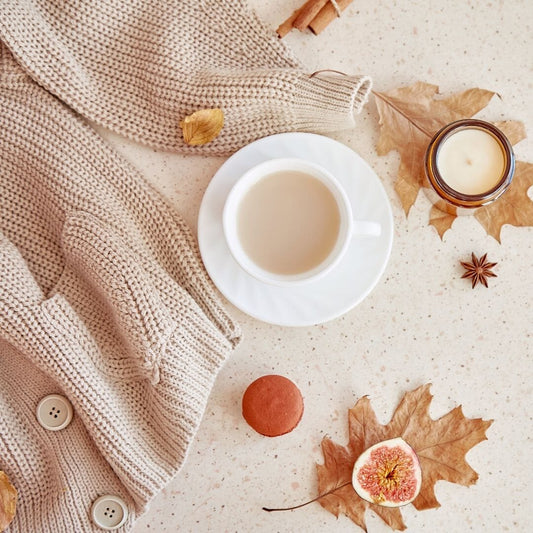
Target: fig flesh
pixel 388 474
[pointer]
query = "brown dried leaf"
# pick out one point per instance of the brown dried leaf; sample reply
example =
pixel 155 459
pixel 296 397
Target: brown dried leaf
pixel 441 446
pixel 202 126
pixel 409 117
pixel 491 219
pixel 514 207
pixel 514 130
pixel 8 501
pixel 440 218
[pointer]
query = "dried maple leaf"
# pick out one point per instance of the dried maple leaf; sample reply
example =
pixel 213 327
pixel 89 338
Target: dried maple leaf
pixel 410 116
pixel 514 130
pixel 202 126
pixel 441 218
pixel 8 501
pixel 441 446
pixel 514 207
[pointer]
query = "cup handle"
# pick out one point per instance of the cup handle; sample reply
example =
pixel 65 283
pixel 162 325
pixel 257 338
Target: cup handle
pixel 366 227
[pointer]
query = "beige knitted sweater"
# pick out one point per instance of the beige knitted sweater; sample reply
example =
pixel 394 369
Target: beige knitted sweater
pixel 103 298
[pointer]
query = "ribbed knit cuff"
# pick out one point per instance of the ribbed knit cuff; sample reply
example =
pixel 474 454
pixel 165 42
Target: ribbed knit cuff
pixel 328 101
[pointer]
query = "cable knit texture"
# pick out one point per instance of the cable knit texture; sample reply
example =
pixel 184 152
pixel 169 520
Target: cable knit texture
pixel 103 297
pixel 139 67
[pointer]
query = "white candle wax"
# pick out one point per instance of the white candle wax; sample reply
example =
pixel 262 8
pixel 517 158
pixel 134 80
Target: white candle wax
pixel 471 161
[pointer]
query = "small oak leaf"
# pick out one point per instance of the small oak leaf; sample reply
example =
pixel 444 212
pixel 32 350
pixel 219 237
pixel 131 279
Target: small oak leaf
pixel 8 501
pixel 202 126
pixel 441 446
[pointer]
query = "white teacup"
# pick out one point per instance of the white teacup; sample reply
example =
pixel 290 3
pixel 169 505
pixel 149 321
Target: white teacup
pixel 288 221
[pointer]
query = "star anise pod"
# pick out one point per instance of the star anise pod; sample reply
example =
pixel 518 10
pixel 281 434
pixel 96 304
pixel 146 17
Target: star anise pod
pixel 478 270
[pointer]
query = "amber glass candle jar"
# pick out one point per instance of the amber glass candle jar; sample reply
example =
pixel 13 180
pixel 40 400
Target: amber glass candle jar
pixel 468 164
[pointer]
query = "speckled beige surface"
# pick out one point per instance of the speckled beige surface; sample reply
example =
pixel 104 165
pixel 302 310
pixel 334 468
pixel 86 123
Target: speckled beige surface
pixel 422 323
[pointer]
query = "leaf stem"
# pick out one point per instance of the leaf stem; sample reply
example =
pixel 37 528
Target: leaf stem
pixel 398 110
pixel 310 501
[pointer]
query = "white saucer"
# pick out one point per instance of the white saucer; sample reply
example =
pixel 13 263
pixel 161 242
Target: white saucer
pixel 348 283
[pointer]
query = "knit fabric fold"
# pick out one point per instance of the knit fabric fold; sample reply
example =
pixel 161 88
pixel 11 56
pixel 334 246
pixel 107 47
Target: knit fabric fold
pixel 103 299
pixel 139 71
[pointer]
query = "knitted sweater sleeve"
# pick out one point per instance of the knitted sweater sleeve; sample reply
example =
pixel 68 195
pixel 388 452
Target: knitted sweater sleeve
pixel 140 67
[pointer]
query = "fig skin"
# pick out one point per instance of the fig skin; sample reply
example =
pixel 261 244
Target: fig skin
pixel 388 474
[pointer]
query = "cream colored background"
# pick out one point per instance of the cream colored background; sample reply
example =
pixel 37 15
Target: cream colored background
pixel 421 324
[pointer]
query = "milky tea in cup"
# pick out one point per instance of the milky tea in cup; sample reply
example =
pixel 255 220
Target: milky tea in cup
pixel 288 221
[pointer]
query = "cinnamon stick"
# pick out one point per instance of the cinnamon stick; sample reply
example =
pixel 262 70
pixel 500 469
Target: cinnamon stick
pixel 286 26
pixel 326 15
pixel 307 13
pixel 320 19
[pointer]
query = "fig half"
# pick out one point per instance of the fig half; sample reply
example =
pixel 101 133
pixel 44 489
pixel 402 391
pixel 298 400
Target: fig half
pixel 388 474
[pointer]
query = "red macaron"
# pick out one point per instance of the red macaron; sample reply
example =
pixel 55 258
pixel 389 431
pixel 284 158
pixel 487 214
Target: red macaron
pixel 272 405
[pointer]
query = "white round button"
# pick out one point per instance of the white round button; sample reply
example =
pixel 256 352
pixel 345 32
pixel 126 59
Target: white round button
pixel 109 512
pixel 54 412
